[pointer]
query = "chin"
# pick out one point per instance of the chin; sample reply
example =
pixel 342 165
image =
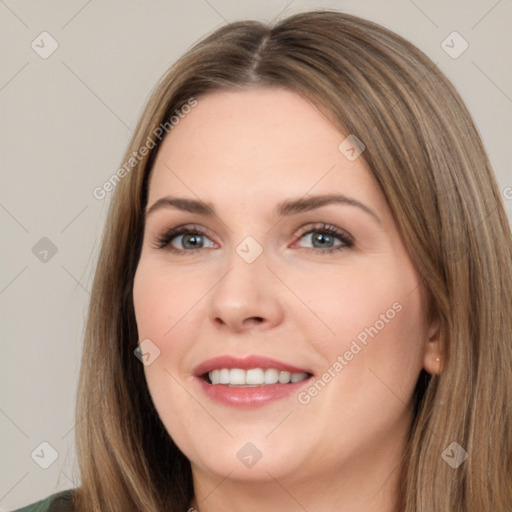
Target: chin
pixel 246 458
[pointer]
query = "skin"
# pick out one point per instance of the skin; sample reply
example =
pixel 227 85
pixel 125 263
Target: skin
pixel 244 152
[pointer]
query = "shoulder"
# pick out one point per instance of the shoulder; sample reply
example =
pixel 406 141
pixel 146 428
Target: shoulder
pixel 59 502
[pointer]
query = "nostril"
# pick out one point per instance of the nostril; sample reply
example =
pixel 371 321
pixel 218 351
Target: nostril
pixel 255 319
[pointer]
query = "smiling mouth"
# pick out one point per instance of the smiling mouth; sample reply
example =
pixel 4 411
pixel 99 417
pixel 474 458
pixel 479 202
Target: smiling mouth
pixel 252 377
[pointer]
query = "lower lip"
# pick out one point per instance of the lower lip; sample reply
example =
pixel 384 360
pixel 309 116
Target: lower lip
pixel 247 397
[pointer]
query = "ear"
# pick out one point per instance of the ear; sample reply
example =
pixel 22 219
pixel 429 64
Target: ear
pixel 432 357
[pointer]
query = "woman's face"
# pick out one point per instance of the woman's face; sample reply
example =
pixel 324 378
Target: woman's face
pixel 295 271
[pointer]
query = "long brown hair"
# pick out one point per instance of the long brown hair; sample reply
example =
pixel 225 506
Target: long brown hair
pixel 425 153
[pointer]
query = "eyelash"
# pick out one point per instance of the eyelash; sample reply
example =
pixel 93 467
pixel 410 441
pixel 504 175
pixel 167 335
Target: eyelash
pixel 164 240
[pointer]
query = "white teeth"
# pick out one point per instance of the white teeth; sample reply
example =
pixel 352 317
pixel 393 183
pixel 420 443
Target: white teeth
pixel 271 376
pixel 223 376
pixel 284 377
pixel 236 377
pixel 253 377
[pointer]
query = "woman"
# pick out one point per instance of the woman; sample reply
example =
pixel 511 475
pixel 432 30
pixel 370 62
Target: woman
pixel 307 253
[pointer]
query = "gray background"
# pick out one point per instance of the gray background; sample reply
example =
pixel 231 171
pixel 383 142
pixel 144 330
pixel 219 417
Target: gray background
pixel 66 121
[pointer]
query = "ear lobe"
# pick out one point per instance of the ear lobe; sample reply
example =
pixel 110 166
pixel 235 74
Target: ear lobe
pixel 432 358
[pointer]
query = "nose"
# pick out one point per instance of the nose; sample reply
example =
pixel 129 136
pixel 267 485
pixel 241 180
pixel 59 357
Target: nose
pixel 247 297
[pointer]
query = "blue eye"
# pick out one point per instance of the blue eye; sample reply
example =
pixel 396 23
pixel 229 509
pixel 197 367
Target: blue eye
pixel 326 238
pixel 183 239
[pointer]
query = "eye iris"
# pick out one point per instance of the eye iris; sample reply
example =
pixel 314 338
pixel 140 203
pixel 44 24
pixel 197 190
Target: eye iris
pixel 192 241
pixel 323 239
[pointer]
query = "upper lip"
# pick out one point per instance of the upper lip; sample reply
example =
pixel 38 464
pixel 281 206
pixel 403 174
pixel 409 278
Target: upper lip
pixel 253 361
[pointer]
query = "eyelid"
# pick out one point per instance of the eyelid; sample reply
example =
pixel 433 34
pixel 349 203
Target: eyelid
pixel 329 228
pixel 346 239
pixel 163 240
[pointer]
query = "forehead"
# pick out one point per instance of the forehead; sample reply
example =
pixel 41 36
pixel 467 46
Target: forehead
pixel 263 143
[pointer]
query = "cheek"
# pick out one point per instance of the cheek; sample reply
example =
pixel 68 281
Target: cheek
pixel 162 297
pixel 146 299
pixel 382 334
pixel 373 319
pixel 361 302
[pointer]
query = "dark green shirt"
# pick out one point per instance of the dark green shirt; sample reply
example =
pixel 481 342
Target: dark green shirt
pixel 59 502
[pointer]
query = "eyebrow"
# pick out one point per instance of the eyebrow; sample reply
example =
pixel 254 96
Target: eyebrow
pixel 283 209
